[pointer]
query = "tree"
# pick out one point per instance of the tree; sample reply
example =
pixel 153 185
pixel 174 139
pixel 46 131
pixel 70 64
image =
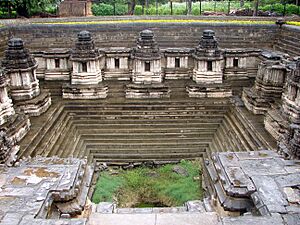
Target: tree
pixel 256 4
pixel 132 6
pixel 189 7
pixel 242 3
pixel 27 7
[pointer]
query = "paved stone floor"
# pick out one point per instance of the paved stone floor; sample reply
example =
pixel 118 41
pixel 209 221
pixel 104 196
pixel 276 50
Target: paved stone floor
pixel 209 218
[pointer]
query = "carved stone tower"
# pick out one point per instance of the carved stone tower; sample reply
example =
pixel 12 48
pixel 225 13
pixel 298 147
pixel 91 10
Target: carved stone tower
pixel 20 68
pixel 86 74
pixel 208 60
pixel 146 60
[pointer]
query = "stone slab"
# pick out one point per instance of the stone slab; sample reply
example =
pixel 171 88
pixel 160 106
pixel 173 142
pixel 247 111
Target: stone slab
pixel 154 219
pixel 258 220
pixel 187 219
pixel 270 194
pixel 122 219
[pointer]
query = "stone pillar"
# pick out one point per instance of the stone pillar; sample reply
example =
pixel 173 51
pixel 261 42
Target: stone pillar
pixel 289 144
pixel 268 86
pixel 21 67
pixel 6 106
pixel 13 126
pixel 86 76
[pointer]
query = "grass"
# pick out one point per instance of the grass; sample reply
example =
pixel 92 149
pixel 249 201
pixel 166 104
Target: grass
pixel 144 186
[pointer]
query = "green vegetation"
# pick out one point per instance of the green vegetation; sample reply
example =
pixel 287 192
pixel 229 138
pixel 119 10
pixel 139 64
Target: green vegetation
pixel 141 187
pixel 27 8
pixel 121 7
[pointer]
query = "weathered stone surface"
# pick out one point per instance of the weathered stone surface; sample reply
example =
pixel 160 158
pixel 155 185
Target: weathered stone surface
pixel 154 219
pixel 35 185
pixel 147 91
pixel 268 86
pixel 105 207
pixel 259 177
pixel 289 144
pixel 6 107
pixel 253 220
pixel 195 206
pixel 8 149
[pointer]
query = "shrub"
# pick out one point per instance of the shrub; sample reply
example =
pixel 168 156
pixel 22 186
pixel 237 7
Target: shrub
pixel 279 8
pixel 121 9
pixel 138 10
pixel 102 9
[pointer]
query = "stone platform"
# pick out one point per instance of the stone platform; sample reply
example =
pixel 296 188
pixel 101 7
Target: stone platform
pixel 37 190
pixel 209 90
pixel 95 91
pixel 147 91
pixel 261 182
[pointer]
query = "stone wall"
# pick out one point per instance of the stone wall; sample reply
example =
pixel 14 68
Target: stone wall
pixel 4 35
pixel 42 36
pixel 288 40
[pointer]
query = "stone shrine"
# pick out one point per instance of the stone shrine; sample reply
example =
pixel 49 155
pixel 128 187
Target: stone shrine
pixel 208 69
pixel 147 75
pixel 75 8
pixel 268 86
pixel 20 68
pixel 289 143
pixel 209 60
pixel 86 76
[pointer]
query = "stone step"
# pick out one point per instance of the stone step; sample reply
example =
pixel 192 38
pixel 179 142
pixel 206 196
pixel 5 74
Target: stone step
pixel 142 124
pixel 143 135
pixel 107 144
pixel 151 210
pixel 62 139
pixel 255 122
pixel 40 125
pixel 194 149
pixel 50 139
pixel 146 157
pixel 286 49
pixel 146 141
pixel 207 218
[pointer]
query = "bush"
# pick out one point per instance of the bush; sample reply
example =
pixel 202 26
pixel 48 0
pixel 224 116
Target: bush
pixel 51 9
pixel 279 8
pixel 121 9
pixel 138 10
pixel 102 9
pixel 105 9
